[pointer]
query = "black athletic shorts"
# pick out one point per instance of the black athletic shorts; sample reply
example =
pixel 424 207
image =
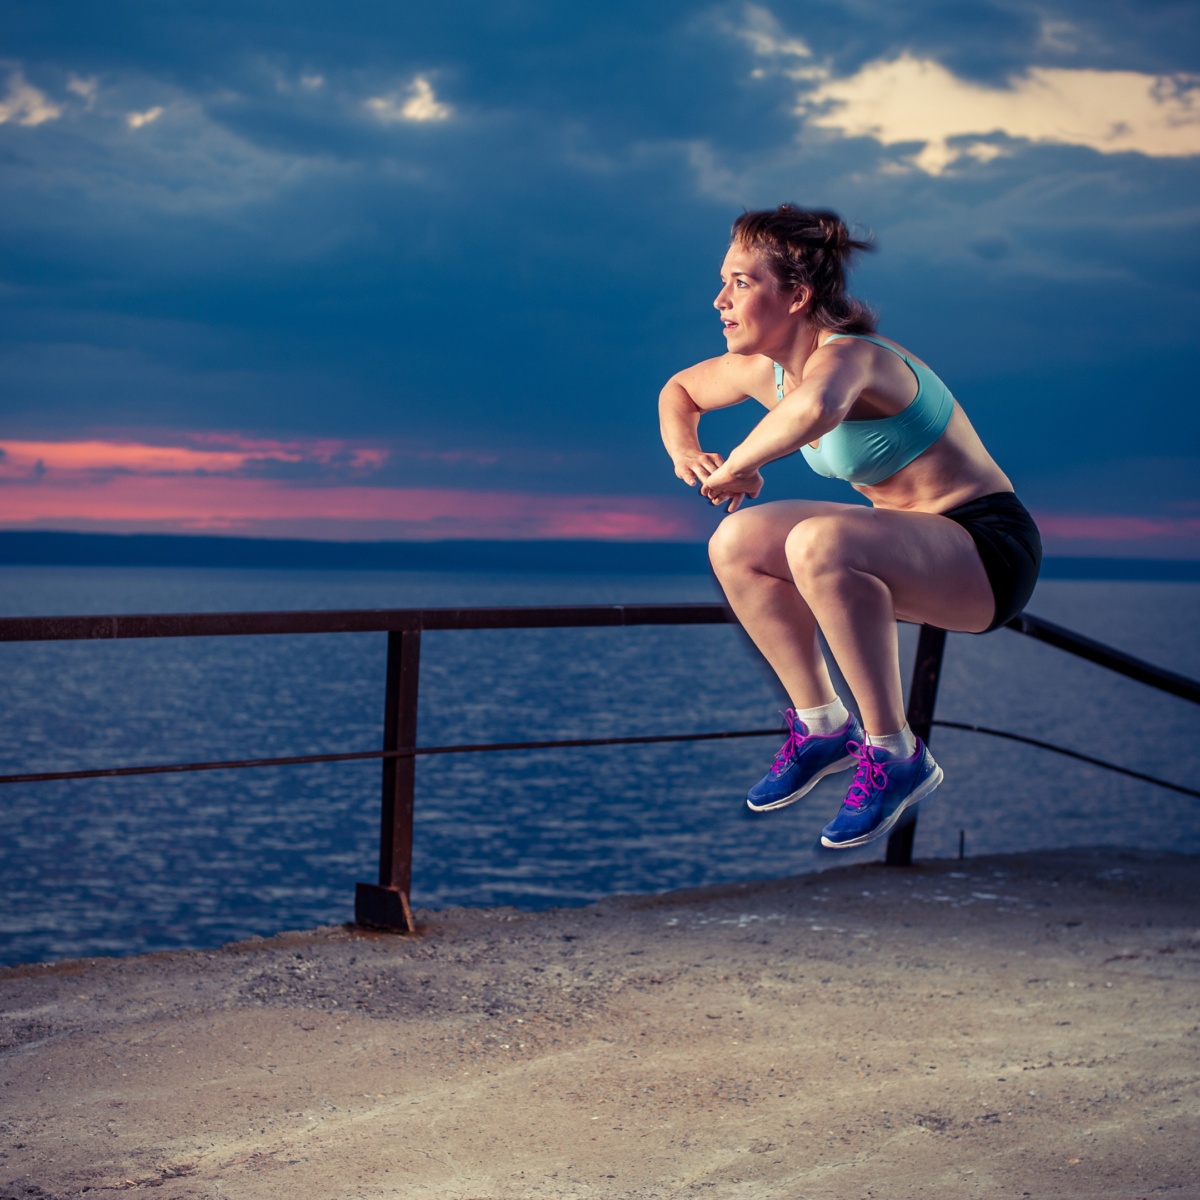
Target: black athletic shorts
pixel 1010 546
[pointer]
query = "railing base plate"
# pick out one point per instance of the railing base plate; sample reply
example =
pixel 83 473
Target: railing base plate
pixel 382 908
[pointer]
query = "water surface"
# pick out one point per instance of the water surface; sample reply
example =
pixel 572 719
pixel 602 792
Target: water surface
pixel 127 865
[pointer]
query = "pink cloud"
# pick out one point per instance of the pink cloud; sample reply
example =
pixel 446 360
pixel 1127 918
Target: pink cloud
pixel 457 456
pixel 320 450
pixel 133 486
pixel 207 484
pixel 370 460
pixel 1114 527
pixel 206 502
pixel 232 440
pixel 67 460
pixel 74 458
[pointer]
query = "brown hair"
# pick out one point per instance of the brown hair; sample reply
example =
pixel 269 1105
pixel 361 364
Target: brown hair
pixel 812 250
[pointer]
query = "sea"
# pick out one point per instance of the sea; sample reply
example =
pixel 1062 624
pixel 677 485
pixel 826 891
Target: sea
pixel 129 865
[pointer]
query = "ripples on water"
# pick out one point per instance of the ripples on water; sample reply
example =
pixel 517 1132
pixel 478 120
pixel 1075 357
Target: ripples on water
pixel 127 865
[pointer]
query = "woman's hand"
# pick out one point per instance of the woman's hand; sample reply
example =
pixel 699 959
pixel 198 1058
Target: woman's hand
pixel 724 484
pixel 695 466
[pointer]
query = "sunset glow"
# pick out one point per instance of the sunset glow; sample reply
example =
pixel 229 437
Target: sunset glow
pixel 1115 528
pixel 131 486
pixel 20 459
pixel 214 482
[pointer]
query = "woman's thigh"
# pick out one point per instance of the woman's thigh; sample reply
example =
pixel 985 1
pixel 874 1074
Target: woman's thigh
pixel 928 562
pixel 755 538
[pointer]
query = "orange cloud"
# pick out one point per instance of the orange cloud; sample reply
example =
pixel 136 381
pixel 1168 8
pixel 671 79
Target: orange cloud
pixel 21 459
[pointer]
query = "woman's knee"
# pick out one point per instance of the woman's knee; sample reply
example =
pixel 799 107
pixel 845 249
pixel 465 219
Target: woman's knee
pixel 818 547
pixel 734 545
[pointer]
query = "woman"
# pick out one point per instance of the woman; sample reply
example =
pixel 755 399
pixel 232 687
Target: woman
pixel 945 542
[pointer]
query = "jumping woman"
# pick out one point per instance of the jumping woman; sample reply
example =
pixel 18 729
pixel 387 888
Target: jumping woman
pixel 945 541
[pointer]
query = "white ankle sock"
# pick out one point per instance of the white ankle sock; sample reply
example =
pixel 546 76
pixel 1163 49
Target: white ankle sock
pixel 827 719
pixel 898 745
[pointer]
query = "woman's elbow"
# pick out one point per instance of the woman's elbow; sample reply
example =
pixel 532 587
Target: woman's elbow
pixel 674 396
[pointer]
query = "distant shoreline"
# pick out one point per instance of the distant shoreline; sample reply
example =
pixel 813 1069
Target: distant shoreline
pixel 61 549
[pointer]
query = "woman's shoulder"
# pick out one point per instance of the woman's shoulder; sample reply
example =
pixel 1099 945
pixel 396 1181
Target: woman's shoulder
pixel 869 345
pixel 755 374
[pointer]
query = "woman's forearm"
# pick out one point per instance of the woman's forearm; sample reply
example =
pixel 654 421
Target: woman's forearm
pixel 786 428
pixel 679 421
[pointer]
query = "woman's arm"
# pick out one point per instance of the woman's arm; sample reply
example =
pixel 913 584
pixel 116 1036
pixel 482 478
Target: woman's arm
pixel 714 383
pixel 679 422
pixel 834 378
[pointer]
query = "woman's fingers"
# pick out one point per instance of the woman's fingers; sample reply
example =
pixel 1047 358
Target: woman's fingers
pixel 698 469
pixel 720 485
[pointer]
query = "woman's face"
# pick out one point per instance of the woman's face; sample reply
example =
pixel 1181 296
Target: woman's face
pixel 757 316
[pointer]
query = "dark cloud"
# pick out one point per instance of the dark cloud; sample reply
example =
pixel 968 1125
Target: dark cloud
pixel 267 254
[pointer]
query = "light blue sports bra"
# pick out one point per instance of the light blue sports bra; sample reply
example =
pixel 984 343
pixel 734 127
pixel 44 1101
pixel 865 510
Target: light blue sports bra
pixel 869 452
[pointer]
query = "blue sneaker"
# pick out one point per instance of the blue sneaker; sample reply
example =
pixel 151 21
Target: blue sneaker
pixel 802 762
pixel 883 788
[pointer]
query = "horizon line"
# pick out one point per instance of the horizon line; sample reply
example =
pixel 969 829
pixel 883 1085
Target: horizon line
pixel 72 548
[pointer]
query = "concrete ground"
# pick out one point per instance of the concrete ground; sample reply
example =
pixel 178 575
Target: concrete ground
pixel 1022 1026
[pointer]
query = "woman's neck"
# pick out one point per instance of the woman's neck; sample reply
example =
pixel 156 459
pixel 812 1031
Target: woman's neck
pixel 800 346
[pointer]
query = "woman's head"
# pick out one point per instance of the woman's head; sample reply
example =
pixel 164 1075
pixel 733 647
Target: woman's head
pixel 809 250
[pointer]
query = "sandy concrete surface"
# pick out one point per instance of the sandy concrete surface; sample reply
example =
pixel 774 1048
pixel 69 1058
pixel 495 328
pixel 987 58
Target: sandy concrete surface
pixel 1019 1026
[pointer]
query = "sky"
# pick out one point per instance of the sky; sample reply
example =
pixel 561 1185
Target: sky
pixel 398 270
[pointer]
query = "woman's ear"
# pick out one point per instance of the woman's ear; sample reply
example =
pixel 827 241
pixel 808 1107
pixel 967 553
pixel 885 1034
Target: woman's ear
pixel 800 298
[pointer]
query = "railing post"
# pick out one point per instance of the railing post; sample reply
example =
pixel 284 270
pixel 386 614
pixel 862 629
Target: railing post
pixel 386 904
pixel 922 696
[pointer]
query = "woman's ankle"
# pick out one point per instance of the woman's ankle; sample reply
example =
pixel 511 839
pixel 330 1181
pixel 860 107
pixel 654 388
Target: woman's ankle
pixel 901 744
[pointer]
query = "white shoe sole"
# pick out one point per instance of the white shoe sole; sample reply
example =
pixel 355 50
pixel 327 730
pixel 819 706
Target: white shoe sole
pixel 833 768
pixel 885 827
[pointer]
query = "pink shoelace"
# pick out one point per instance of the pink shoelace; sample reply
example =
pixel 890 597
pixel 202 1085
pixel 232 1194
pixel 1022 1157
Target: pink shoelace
pixel 797 732
pixel 869 777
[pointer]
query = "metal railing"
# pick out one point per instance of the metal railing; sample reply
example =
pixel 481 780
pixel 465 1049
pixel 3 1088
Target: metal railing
pixel 386 904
